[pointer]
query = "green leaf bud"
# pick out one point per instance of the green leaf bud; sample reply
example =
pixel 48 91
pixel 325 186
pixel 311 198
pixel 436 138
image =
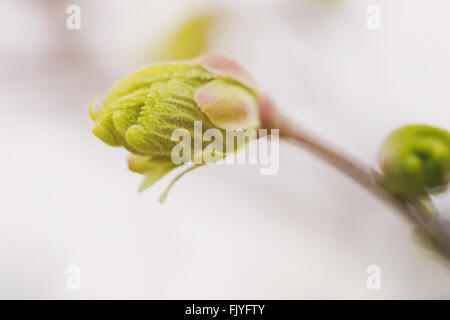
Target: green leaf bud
pixel 415 160
pixel 142 111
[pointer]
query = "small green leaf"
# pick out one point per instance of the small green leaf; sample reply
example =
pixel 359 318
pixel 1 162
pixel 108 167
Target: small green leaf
pixel 190 39
pixel 152 168
pixel 163 196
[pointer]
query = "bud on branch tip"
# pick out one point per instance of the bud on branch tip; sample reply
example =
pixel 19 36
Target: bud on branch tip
pixel 415 160
pixel 142 111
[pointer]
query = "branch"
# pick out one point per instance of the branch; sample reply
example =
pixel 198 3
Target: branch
pixel 421 213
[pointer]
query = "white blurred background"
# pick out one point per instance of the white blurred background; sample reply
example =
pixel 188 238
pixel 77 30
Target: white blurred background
pixel 225 232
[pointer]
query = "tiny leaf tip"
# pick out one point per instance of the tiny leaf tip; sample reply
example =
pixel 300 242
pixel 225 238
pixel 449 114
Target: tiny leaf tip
pixel 92 112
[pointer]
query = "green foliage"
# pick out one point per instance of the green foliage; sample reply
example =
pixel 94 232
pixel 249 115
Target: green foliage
pixel 142 111
pixel 190 39
pixel 153 168
pixel 416 160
